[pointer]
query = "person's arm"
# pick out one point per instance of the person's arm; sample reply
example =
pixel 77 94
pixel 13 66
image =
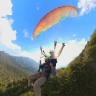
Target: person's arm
pixel 55 43
pixel 60 51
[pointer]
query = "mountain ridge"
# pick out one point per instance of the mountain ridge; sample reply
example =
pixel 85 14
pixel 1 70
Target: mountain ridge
pixel 24 63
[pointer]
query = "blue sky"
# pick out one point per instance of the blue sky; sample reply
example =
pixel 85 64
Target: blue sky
pixel 20 17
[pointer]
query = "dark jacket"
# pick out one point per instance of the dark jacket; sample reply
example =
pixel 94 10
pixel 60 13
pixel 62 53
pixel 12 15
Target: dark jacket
pixel 46 69
pixel 53 61
pixel 53 69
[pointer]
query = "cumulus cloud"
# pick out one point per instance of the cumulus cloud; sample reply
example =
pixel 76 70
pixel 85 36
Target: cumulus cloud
pixel 72 49
pixel 86 6
pixel 5 8
pixel 26 34
pixel 7 34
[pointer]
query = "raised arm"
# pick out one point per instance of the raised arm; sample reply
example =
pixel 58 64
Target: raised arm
pixel 55 43
pixel 63 44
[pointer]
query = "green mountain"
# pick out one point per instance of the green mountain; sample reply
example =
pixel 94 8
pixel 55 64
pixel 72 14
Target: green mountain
pixel 77 79
pixel 24 63
pixel 7 69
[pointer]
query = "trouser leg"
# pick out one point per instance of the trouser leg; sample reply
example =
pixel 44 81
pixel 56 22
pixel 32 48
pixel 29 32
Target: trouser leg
pixel 37 85
pixel 33 76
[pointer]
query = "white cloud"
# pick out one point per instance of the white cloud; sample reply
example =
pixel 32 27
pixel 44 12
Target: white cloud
pixel 7 34
pixel 74 35
pixel 5 8
pixel 86 6
pixel 71 50
pixel 26 34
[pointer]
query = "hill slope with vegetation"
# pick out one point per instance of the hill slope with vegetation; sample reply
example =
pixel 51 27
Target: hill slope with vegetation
pixel 24 63
pixel 14 68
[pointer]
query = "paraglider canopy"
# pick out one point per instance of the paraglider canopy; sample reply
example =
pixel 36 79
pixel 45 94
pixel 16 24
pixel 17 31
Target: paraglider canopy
pixel 53 17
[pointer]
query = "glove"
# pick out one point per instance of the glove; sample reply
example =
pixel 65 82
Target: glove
pixel 63 44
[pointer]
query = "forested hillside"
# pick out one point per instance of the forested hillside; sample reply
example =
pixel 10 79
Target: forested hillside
pixel 21 62
pixel 14 68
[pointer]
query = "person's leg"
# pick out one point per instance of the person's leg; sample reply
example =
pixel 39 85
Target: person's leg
pixel 33 76
pixel 37 85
